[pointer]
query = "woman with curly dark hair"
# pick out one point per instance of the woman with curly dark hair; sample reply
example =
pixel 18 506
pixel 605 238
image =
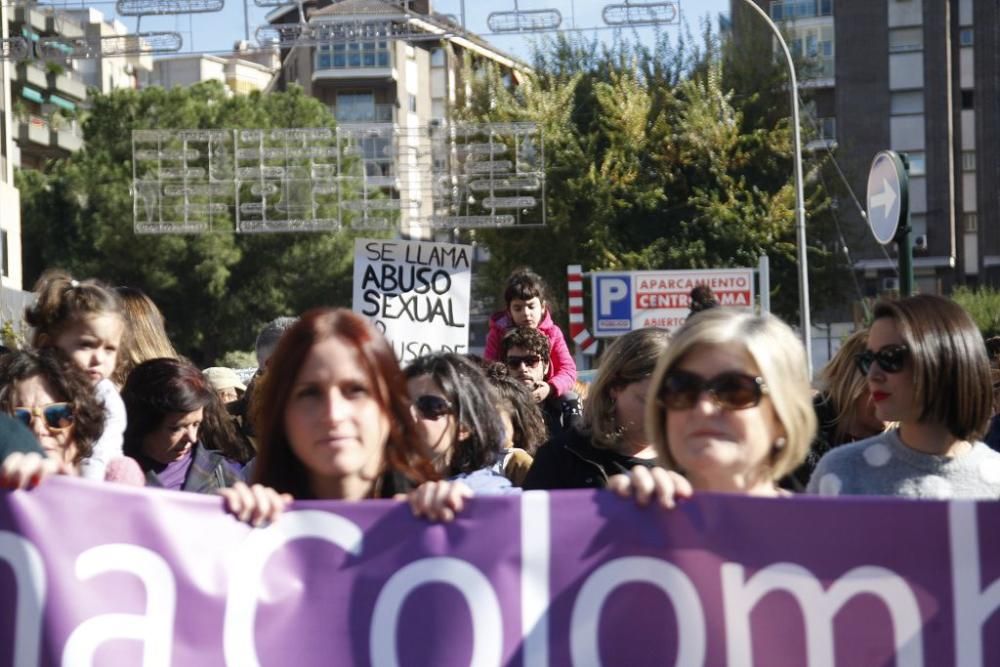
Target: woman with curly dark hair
pixel 55 398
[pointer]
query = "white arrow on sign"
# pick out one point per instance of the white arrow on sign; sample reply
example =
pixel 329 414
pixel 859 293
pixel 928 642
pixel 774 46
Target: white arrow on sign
pixel 884 199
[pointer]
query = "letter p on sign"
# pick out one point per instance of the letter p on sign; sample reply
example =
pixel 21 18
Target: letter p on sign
pixel 611 290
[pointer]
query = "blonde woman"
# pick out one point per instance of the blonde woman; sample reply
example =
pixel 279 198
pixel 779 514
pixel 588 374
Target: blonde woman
pixel 612 439
pixel 729 410
pixel 145 337
pixel 844 408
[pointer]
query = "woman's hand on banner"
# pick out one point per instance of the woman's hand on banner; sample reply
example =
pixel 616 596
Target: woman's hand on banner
pixel 645 484
pixel 27 470
pixel 438 501
pixel 257 505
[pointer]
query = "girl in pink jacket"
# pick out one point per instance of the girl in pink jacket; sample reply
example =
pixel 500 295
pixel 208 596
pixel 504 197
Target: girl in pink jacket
pixel 527 307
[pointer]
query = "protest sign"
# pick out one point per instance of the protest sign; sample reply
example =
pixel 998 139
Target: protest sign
pixel 624 302
pixel 416 293
pixel 94 574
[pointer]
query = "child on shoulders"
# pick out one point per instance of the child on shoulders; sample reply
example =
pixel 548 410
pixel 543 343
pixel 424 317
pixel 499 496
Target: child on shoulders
pixel 526 305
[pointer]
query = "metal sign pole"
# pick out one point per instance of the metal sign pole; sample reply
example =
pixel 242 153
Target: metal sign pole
pixel 904 245
pixel 800 207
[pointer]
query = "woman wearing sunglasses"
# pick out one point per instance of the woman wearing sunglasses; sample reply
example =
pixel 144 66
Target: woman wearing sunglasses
pixel 456 412
pixel 729 409
pixel 612 439
pixel 55 399
pixel 334 423
pixel 927 369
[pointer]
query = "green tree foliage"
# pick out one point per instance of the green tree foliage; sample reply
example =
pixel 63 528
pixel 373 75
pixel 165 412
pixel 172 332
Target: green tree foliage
pixel 661 157
pixel 983 305
pixel 216 290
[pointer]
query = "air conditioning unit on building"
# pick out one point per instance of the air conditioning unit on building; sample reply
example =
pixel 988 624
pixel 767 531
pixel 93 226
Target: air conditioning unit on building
pixel 889 284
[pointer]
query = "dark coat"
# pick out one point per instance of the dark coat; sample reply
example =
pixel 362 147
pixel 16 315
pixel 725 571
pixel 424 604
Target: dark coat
pixel 570 461
pixel 209 472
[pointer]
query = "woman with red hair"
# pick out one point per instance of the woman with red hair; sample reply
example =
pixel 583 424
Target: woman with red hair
pixel 334 423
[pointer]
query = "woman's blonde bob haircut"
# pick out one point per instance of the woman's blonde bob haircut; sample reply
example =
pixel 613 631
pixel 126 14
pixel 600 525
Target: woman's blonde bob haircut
pixel 781 360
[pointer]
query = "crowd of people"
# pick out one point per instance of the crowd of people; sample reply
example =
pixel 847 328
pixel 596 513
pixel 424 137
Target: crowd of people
pixel 724 404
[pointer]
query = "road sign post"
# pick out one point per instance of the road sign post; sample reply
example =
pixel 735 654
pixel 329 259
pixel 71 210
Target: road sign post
pixel 889 210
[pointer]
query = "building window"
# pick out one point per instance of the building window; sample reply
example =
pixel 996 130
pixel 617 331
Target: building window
pixel 968 160
pixel 970 222
pixel 353 55
pixel 826 128
pixel 906 39
pixel 906 102
pixel 917 163
pixel 789 10
pixel 815 45
pixel 413 104
pixel 968 99
pixel 355 107
pixel 966 37
pixel 4 257
pixel 438 58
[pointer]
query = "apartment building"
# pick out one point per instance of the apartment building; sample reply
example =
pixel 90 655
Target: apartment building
pixel 404 84
pixel 109 73
pixel 918 77
pixel 241 72
pixel 10 201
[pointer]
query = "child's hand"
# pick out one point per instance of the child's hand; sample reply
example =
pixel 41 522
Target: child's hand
pixel 541 391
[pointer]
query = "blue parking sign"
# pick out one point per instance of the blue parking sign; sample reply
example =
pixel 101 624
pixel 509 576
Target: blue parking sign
pixel 612 304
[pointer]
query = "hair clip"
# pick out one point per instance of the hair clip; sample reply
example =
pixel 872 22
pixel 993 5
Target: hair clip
pixel 74 283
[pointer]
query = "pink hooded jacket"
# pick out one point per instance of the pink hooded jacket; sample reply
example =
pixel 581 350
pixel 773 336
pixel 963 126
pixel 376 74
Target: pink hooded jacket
pixel 562 368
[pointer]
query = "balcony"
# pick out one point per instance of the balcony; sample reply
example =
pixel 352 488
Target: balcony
pixel 64 27
pixel 376 113
pixel 34 130
pixel 37 20
pixel 68 85
pixel 32 75
pixel 790 10
pixel 354 60
pixel 66 138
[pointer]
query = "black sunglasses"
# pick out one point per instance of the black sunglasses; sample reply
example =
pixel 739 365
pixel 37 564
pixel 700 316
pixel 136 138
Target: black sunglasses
pixel 529 360
pixel 432 407
pixel 730 391
pixel 890 359
pixel 57 416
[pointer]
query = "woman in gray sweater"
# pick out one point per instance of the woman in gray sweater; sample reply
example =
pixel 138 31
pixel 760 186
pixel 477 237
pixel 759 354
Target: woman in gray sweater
pixel 927 369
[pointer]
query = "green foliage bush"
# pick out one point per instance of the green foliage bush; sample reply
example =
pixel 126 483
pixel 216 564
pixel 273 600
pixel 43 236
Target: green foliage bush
pixel 983 304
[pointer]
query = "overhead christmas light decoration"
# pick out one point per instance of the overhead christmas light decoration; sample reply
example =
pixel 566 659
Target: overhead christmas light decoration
pixel 640 13
pixel 531 20
pixel 165 7
pixel 143 43
pixel 14 48
pixel 281 35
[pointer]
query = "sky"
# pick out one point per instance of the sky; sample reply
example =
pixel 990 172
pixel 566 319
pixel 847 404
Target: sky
pixel 217 32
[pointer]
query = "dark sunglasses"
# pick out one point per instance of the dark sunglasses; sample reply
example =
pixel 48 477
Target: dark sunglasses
pixel 433 407
pixel 890 359
pixel 529 360
pixel 729 391
pixel 57 416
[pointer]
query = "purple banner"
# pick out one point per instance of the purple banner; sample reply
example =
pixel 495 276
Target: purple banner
pixel 99 575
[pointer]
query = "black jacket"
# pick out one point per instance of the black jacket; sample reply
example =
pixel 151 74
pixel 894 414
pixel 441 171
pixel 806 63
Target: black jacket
pixel 569 461
pixel 561 413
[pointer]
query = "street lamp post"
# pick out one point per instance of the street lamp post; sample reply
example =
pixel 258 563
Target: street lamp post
pixel 800 205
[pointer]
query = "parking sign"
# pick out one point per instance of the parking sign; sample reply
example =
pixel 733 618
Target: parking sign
pixel 624 302
pixel 612 304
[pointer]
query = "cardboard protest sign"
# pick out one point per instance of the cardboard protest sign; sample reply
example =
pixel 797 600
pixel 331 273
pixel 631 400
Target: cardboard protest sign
pixel 416 292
